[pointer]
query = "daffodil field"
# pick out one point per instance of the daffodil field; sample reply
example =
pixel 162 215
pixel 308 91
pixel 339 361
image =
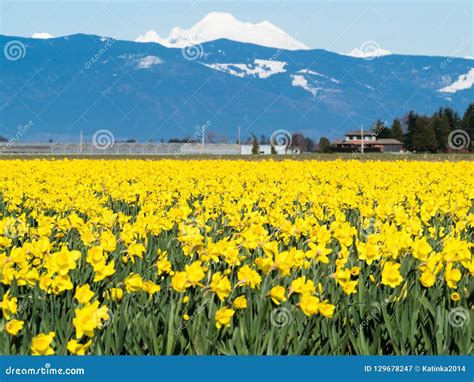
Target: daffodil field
pixel 236 257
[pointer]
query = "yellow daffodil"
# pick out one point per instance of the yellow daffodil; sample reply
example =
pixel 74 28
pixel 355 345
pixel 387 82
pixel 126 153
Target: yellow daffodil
pixel 133 283
pixel 427 279
pixel 240 302
pixel 195 273
pixel 220 285
pixel 455 296
pixel 41 344
pixel 163 266
pixel 150 287
pixel 391 275
pixel 180 282
pixel 77 348
pixel 326 309
pixel 303 286
pixel 309 304
pixel 89 318
pixel 9 305
pixel 14 326
pixel 83 294
pixel 223 317
pixel 114 294
pixel 452 276
pixel 249 276
pixel 103 270
pixel 277 294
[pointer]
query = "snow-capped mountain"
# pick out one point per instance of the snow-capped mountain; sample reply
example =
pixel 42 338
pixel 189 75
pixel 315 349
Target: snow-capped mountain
pixel 42 35
pixel 368 53
pixel 149 91
pixel 217 25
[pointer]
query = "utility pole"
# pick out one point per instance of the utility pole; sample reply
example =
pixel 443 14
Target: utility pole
pixel 202 140
pixel 80 142
pixel 238 135
pixel 362 139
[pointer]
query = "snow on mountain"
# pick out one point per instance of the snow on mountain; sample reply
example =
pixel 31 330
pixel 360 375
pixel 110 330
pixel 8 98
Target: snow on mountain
pixel 312 81
pixel 152 36
pixel 217 25
pixel 260 68
pixel 42 35
pixel 368 53
pixel 148 61
pixel 312 72
pixel 302 82
pixel 464 81
pixel 140 61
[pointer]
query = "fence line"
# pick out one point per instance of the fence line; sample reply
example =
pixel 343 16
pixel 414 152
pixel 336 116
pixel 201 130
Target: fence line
pixel 172 149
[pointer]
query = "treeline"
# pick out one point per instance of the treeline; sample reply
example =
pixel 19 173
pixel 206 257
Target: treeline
pixel 421 133
pixel 432 134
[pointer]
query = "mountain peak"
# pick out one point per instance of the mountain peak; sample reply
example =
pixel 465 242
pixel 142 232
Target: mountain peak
pixel 42 35
pixel 218 17
pixel 218 25
pixel 371 52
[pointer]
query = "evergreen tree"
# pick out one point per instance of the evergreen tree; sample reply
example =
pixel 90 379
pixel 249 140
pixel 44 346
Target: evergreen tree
pixel 411 127
pixel 424 136
pixel 396 131
pixel 452 117
pixel 442 129
pixel 309 145
pixel 324 145
pixel 467 123
pixel 381 130
pixel 255 146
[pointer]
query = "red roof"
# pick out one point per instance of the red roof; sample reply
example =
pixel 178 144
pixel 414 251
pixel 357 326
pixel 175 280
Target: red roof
pixel 378 142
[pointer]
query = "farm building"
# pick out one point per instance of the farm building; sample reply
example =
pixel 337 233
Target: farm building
pixel 355 139
pixel 267 150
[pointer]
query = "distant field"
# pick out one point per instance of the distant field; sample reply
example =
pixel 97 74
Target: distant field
pixel 315 156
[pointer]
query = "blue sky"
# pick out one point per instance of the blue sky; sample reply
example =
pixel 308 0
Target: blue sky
pixel 406 27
